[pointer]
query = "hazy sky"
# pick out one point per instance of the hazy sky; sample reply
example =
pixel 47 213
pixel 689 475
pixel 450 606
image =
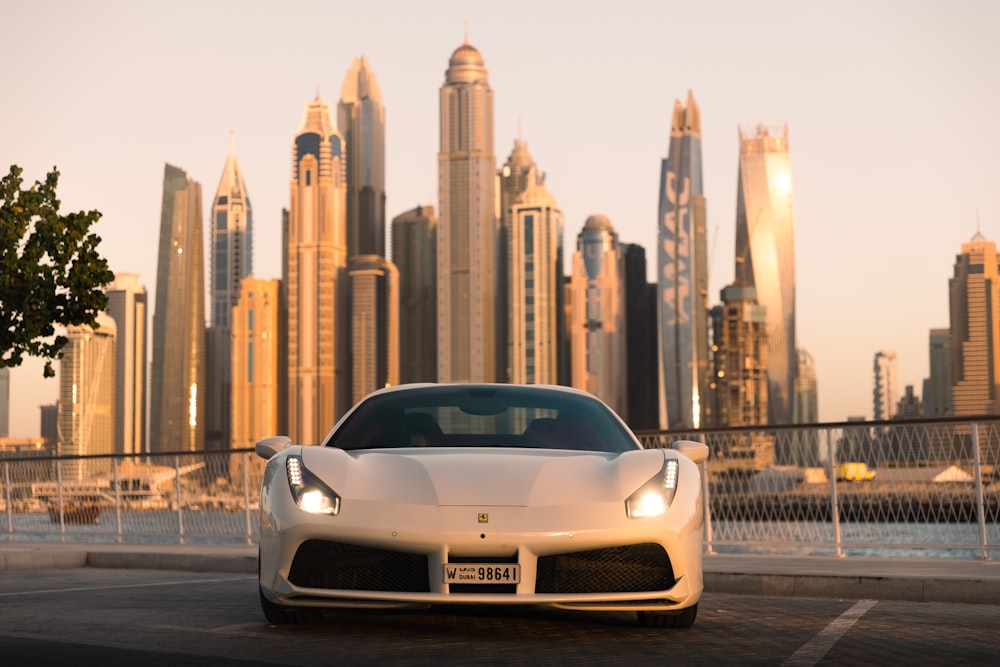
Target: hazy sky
pixel 891 107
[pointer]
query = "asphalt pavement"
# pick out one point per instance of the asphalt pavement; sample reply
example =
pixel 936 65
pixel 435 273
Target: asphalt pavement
pixel 913 579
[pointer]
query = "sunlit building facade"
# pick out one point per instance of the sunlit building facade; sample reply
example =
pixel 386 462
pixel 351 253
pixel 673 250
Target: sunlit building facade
pixel 683 274
pixel 414 252
pixel 374 324
pixel 765 253
pixel 533 285
pixel 466 241
pixel 806 390
pixel 974 295
pixel 4 402
pixel 258 367
pixel 177 374
pixel 597 327
pixel 87 398
pixel 317 282
pixel 361 121
pixel 739 383
pixel 127 307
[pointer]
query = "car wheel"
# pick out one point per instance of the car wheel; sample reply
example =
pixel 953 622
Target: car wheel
pixel 683 618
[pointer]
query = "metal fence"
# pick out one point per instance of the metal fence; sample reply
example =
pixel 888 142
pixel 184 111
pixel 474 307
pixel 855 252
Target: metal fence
pixel 893 489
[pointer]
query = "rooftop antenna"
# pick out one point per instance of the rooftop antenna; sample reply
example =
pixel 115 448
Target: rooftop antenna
pixel 466 31
pixel 232 142
pixel 519 135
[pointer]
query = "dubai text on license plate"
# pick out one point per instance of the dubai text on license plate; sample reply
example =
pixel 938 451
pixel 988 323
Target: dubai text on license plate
pixel 482 573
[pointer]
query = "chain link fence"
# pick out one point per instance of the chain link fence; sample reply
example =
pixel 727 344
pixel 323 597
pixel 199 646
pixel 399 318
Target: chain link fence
pixel 892 489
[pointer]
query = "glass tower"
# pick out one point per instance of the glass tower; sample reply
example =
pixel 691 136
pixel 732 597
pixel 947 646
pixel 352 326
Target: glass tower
pixel 177 375
pixel 466 242
pixel 414 252
pixel 361 120
pixel 765 254
pixel 683 275
pixel 127 306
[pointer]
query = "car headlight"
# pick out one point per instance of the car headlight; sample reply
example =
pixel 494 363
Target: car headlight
pixel 654 497
pixel 310 494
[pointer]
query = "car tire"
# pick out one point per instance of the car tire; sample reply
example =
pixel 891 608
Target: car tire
pixel 671 620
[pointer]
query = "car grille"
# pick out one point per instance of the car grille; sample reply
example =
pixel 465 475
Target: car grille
pixel 628 569
pixel 337 566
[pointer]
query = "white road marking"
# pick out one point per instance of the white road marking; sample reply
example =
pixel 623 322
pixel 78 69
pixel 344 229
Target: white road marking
pixel 119 586
pixel 813 651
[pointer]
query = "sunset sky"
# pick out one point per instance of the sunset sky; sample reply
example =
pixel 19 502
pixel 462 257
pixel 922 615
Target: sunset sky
pixel 892 107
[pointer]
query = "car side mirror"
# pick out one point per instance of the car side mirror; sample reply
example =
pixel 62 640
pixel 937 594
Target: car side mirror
pixel 268 447
pixel 695 451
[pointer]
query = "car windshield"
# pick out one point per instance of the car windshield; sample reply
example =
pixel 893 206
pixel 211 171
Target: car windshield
pixel 482 416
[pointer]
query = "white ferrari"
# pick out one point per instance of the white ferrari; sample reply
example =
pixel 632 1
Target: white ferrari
pixel 488 494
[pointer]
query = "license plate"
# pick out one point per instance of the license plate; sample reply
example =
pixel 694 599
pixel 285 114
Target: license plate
pixel 482 573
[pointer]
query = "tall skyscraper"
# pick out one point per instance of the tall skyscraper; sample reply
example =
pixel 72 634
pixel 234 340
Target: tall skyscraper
pixel 466 243
pixel 533 286
pixel 739 384
pixel 937 388
pixel 374 324
pixel 127 306
pixel 683 274
pixel 231 253
pixel 319 388
pixel 597 330
pixel 640 323
pixel 177 375
pixel 87 397
pixel 361 120
pixel 414 252
pixel 885 391
pixel 259 371
pixel 974 295
pixel 512 179
pixel 765 253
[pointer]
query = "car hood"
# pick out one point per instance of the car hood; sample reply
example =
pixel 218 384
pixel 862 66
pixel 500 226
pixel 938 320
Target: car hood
pixel 483 476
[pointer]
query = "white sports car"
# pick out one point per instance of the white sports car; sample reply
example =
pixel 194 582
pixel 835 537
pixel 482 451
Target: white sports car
pixel 481 494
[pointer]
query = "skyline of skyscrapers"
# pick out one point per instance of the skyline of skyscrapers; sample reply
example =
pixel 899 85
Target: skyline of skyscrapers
pixel 765 253
pixel 177 374
pixel 319 389
pixel 490 289
pixel 466 241
pixel 683 274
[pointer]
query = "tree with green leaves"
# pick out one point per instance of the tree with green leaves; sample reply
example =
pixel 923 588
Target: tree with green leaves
pixel 51 274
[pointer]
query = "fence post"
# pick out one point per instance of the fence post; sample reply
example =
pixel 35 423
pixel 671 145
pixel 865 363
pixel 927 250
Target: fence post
pixel 59 493
pixel 708 507
pixel 9 499
pixel 177 495
pixel 834 502
pixel 980 509
pixel 246 497
pixel 118 499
